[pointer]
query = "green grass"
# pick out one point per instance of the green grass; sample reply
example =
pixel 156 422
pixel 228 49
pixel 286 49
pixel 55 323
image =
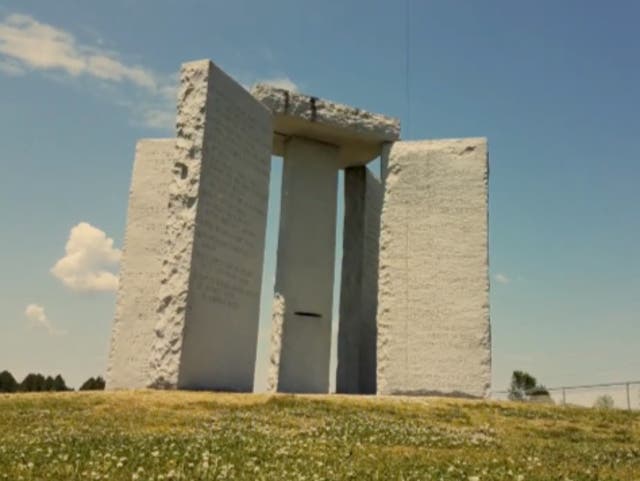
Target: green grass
pixel 206 436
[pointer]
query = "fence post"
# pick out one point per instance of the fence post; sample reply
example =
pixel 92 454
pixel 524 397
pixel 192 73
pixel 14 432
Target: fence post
pixel 628 397
pixel 564 397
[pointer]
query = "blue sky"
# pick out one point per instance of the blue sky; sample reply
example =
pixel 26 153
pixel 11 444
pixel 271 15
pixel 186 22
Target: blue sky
pixel 555 86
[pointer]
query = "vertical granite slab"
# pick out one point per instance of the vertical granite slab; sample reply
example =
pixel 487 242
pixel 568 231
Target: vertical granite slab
pixel 209 296
pixel 305 267
pixel 347 371
pixel 433 300
pixel 356 369
pixel 374 194
pixel 141 265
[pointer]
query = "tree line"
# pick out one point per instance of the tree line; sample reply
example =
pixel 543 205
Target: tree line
pixel 37 383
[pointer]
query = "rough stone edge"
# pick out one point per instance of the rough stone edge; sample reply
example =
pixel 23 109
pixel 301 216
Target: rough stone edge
pixel 116 336
pixel 374 192
pixel 277 322
pixel 389 173
pixel 279 101
pixel 180 230
pixel 117 319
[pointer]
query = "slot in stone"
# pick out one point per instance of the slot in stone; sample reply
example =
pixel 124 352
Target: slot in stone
pixel 307 314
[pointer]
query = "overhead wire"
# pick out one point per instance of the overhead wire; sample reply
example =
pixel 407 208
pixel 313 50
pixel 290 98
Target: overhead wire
pixel 407 72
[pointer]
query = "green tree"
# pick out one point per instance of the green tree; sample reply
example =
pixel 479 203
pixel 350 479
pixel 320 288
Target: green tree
pixel 100 384
pixel 525 387
pixel 59 384
pixel 48 384
pixel 37 382
pixel 93 384
pixel 539 394
pixel 32 383
pixel 521 383
pixel 7 382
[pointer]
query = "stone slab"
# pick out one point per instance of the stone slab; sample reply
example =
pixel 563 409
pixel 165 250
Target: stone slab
pixel 433 300
pixel 356 368
pixel 358 133
pixel 209 297
pixel 305 266
pixel 374 194
pixel 141 265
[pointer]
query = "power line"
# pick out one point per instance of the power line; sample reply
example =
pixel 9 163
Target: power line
pixel 408 65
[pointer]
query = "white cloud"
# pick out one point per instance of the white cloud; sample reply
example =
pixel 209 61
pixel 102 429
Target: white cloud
pixel 35 313
pixel 90 260
pixel 40 46
pixel 27 44
pixel 502 278
pixel 281 83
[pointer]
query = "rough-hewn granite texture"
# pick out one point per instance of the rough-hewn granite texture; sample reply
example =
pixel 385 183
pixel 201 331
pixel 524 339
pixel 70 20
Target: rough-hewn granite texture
pixel 356 370
pixel 141 265
pixel 305 267
pixel 209 296
pixel 358 133
pixel 433 304
pixel 277 319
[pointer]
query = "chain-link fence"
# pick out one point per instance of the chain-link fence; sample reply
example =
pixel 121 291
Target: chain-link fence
pixel 621 395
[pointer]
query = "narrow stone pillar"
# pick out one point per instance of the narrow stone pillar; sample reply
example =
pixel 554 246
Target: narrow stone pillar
pixel 347 373
pixel 356 370
pixel 305 267
pixel 374 193
pixel 433 302
pixel 141 266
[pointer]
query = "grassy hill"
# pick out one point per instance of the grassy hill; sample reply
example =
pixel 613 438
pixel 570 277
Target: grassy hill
pixel 206 436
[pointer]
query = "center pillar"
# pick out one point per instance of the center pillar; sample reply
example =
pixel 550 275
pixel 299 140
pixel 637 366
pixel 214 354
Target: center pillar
pixel 305 267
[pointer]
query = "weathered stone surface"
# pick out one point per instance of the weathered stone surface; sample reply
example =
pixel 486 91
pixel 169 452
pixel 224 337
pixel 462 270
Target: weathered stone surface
pixel 356 370
pixel 305 267
pixel 209 297
pixel 141 265
pixel 374 194
pixel 433 309
pixel 358 133
pixel 277 321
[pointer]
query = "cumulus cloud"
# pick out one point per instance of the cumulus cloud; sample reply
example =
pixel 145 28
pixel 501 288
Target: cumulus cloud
pixel 27 44
pixel 502 278
pixel 35 313
pixel 90 260
pixel 40 46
